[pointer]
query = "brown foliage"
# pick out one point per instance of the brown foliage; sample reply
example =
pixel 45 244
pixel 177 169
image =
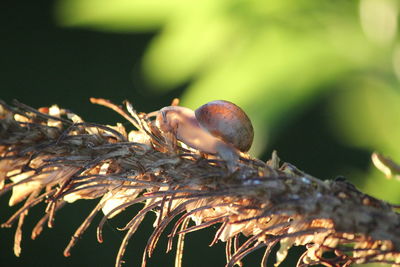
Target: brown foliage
pixel 52 155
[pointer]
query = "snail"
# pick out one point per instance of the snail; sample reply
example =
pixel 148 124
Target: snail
pixel 218 127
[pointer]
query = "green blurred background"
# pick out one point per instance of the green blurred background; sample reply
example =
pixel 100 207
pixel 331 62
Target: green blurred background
pixel 319 79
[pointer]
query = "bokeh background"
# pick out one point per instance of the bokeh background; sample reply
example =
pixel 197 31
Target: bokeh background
pixel 319 79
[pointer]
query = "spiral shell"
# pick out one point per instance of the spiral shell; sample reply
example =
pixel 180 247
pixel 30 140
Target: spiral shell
pixel 228 122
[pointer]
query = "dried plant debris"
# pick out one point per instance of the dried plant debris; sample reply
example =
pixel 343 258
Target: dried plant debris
pixel 386 165
pixel 51 155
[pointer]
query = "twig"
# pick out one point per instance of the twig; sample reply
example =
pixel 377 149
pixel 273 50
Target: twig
pixel 58 158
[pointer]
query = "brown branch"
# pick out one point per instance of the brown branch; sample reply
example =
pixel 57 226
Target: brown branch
pixel 52 155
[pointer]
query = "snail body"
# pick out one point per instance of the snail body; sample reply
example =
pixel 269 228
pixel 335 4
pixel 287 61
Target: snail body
pixel 218 127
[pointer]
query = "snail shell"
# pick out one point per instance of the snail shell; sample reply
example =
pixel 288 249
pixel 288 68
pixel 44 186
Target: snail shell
pixel 228 122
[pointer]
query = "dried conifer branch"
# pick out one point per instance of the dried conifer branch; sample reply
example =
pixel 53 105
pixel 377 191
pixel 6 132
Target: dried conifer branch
pixel 52 155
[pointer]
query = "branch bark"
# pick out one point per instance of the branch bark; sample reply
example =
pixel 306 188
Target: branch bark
pixel 52 155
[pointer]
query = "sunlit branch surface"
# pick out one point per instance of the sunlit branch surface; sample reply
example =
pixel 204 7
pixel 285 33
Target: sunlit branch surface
pixel 52 155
